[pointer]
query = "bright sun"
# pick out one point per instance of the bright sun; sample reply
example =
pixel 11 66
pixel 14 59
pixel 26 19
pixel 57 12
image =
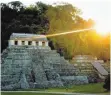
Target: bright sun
pixel 102 29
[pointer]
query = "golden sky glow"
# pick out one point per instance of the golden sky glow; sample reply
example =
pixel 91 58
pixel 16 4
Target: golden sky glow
pixel 102 30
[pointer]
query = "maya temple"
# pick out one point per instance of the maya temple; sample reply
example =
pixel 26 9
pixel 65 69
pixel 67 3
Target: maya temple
pixel 29 62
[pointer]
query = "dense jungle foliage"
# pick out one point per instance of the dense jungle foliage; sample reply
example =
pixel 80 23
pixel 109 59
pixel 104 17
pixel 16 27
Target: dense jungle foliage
pixel 50 19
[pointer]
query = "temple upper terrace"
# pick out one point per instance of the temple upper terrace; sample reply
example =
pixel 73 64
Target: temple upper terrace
pixel 21 39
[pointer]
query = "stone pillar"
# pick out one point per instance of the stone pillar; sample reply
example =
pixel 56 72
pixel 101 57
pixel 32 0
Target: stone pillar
pixel 40 43
pixel 11 42
pixel 33 43
pixel 46 43
pixel 19 42
pixel 26 42
pixel 37 43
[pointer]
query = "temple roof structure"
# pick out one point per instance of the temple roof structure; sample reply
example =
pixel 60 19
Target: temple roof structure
pixel 26 36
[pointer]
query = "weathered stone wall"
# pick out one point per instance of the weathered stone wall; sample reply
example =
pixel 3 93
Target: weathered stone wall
pixel 68 80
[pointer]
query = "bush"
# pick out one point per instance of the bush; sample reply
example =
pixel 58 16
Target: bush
pixel 107 83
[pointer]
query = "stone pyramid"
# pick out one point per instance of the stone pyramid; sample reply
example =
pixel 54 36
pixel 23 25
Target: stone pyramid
pixel 28 62
pixel 90 66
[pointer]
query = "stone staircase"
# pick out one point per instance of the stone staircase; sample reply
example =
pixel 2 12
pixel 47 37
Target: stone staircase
pixel 24 67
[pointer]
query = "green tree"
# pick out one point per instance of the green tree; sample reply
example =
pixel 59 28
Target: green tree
pixel 16 5
pixel 48 19
pixel 20 19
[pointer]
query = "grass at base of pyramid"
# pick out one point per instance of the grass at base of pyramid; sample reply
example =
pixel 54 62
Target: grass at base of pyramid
pixel 95 88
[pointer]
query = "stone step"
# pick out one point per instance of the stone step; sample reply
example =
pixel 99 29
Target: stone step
pixel 37 60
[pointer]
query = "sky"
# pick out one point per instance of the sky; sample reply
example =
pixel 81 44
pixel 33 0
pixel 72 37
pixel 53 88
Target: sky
pixel 98 10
